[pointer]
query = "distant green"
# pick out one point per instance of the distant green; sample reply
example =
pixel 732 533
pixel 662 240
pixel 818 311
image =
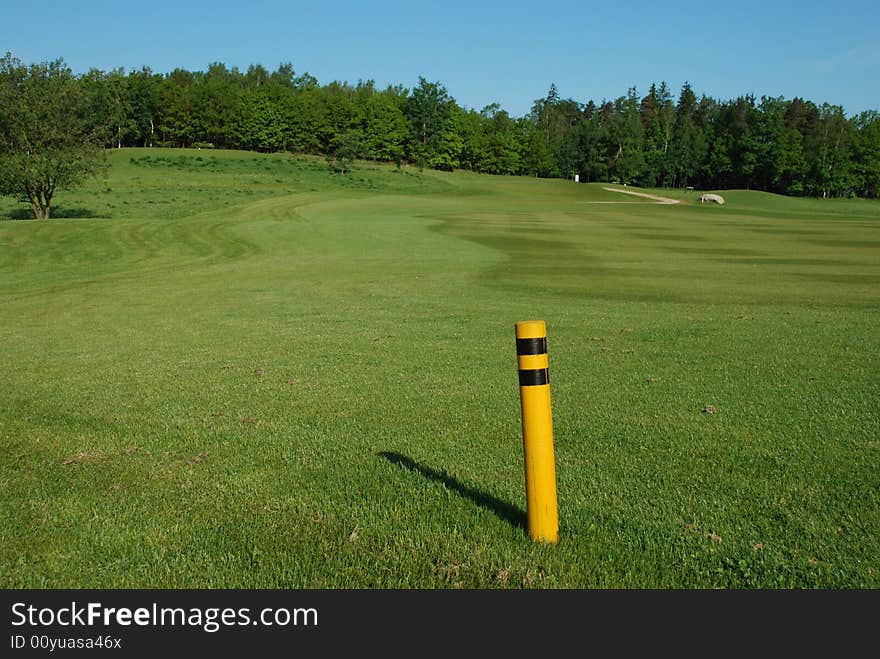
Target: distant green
pixel 232 370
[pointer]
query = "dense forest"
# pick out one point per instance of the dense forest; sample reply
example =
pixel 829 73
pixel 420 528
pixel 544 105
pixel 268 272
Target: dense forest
pixel 794 147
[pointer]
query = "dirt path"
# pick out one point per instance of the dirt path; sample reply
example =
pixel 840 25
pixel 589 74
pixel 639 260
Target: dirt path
pixel 659 200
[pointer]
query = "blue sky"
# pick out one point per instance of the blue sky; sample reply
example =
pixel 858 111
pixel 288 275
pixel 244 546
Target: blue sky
pixel 483 52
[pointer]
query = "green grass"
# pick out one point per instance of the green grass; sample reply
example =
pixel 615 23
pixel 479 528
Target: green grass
pixel 232 370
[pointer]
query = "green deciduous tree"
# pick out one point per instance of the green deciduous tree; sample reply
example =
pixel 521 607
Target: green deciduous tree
pixel 109 98
pixel 343 116
pixel 344 149
pixel 145 88
pixel 216 105
pixel 385 127
pixel 832 168
pixel 305 117
pixel 503 151
pixel 449 144
pixel 429 111
pixel 47 139
pixel 260 125
pixel 175 121
pixel 866 153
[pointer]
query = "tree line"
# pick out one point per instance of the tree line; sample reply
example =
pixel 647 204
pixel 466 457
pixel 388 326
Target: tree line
pixel 790 146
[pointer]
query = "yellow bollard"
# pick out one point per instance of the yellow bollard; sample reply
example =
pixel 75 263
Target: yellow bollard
pixel 537 424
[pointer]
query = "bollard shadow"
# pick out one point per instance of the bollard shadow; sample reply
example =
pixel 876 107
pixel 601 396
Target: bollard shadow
pixel 506 511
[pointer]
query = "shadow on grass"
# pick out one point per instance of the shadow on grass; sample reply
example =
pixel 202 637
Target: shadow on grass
pixel 506 511
pixel 58 213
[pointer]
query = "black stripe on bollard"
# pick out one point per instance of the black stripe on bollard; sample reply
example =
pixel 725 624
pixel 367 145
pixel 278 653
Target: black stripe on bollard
pixel 534 377
pixel 536 346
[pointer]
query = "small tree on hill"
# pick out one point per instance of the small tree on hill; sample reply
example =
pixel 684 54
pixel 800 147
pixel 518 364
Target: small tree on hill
pixel 343 150
pixel 47 137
